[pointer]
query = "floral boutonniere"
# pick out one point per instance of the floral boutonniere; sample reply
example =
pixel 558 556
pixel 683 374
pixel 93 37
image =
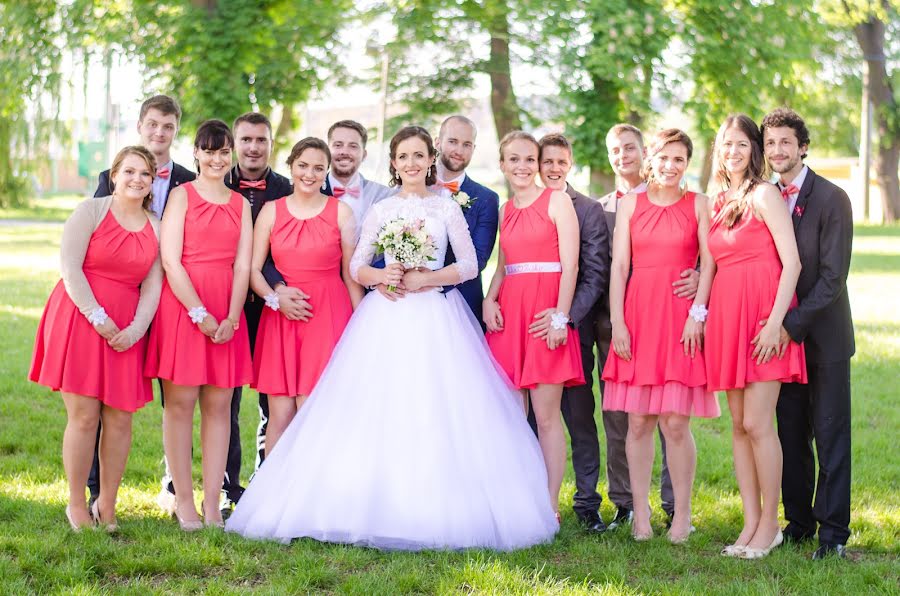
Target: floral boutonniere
pixel 798 211
pixel 463 200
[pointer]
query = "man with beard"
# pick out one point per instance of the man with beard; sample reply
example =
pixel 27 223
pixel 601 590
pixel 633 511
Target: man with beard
pixel 455 145
pixel 820 410
pixel 555 162
pixel 253 178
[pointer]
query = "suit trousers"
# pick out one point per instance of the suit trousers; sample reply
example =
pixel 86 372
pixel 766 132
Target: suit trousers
pixel 615 425
pixel 820 412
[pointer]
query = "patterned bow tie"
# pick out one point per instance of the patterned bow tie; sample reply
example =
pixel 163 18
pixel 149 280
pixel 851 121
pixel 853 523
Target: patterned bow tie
pixel 339 191
pixel 254 184
pixel 163 173
pixel 789 190
pixel 453 187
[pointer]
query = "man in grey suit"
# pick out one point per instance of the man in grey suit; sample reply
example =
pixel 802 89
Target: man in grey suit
pixel 555 161
pixel 625 148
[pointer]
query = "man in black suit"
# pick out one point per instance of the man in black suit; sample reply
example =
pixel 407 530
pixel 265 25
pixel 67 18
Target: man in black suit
pixel 820 410
pixel 253 178
pixel 157 126
pixel 555 161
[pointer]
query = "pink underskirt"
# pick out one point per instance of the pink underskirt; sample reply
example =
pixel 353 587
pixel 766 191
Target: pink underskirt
pixel 671 398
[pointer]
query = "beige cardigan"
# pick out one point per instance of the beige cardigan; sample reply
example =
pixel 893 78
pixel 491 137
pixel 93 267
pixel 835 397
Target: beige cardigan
pixel 77 232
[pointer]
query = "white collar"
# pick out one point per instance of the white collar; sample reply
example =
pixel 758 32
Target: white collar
pixel 799 180
pixel 356 180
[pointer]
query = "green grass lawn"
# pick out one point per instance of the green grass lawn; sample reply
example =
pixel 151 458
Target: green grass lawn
pixel 38 553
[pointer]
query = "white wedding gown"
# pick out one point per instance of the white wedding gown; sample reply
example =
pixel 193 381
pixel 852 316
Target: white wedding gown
pixel 413 438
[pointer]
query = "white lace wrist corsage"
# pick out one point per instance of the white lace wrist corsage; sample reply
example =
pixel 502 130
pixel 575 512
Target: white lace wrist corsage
pixel 98 316
pixel 271 300
pixel 559 320
pixel 698 312
pixel 197 314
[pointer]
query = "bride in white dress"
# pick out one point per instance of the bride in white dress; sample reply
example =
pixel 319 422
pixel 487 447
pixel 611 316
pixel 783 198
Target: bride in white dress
pixel 412 438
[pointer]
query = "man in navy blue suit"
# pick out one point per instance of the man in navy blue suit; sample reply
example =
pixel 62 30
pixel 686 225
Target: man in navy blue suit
pixel 455 145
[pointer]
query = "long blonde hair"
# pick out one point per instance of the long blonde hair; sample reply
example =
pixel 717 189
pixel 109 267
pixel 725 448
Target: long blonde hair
pixel 148 158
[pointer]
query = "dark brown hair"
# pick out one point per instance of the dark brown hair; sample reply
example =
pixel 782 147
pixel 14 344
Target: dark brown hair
pixel 517 135
pixel 308 143
pixel 408 132
pixel 659 141
pixel 352 125
pixel 148 158
pixel 755 169
pixel 253 118
pixel 212 135
pixel 786 117
pixel 554 139
pixel 164 104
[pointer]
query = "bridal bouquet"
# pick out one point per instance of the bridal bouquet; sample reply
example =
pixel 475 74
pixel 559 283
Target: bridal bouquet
pixel 407 241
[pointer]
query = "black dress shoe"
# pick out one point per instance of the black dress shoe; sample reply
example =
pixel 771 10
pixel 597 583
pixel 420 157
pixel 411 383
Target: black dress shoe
pixel 796 537
pixel 828 550
pixel 593 523
pixel 92 500
pixel 623 518
pixel 669 518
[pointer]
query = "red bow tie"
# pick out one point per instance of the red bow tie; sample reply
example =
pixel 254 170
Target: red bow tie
pixel 453 187
pixel 339 191
pixel 789 190
pixel 163 173
pixel 254 184
pixel 619 194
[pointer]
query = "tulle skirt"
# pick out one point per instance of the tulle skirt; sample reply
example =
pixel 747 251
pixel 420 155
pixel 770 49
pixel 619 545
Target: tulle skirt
pixel 412 439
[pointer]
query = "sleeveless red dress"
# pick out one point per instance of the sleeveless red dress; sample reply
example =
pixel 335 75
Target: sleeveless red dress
pixel 179 352
pixel 528 235
pixel 290 355
pixel 747 272
pixel 69 354
pixel 659 378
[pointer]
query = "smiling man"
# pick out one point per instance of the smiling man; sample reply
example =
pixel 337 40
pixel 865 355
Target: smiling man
pixel 820 410
pixel 555 162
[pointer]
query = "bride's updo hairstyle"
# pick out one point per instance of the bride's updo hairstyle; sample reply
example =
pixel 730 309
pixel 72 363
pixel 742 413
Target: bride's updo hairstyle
pixel 517 135
pixel 408 132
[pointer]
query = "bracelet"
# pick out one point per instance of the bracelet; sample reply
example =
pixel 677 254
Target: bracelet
pixel 197 314
pixel 271 300
pixel 98 316
pixel 698 312
pixel 559 320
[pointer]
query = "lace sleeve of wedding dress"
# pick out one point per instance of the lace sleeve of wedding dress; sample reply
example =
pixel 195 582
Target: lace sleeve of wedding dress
pixel 365 248
pixel 461 241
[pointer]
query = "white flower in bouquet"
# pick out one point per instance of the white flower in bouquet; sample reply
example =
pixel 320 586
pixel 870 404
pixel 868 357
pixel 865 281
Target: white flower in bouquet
pixel 407 241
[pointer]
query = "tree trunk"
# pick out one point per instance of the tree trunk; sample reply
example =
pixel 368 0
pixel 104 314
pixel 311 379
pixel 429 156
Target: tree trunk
pixel 503 99
pixel 285 126
pixel 706 165
pixel 602 182
pixel 870 36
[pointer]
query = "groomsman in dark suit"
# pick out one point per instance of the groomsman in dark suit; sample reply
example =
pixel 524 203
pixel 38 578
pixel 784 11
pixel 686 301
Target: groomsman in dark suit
pixel 625 149
pixel 157 126
pixel 555 161
pixel 253 178
pixel 820 410
pixel 455 145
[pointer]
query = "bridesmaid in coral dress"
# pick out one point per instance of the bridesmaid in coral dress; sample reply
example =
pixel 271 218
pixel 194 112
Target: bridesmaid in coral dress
pixel 536 272
pixel 656 370
pixel 199 346
pixel 312 238
pixel 752 241
pixel 111 277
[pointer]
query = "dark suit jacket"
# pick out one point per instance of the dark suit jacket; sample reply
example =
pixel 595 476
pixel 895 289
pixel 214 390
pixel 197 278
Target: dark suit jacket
pixel 592 285
pixel 483 217
pixel 610 205
pixel 277 186
pixel 823 225
pixel 177 177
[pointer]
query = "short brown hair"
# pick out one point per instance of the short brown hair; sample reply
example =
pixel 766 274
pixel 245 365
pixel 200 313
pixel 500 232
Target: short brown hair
pixel 144 154
pixel 253 118
pixel 787 117
pixel 517 135
pixel 408 132
pixel 308 143
pixel 554 139
pixel 624 127
pixel 352 125
pixel 164 104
